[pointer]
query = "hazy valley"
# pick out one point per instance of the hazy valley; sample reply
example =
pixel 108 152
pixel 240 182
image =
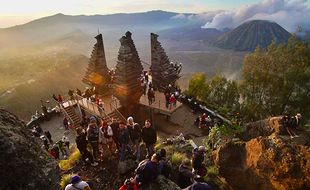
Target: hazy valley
pixel 53 50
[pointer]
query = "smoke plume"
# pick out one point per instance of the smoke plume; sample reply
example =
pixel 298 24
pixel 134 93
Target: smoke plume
pixel 290 14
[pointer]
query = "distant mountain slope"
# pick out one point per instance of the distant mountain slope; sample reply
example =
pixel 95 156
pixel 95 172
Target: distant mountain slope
pixel 249 35
pixel 191 32
pixel 114 25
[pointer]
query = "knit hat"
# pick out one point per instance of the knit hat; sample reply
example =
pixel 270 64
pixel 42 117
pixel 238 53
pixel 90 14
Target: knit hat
pixel 75 179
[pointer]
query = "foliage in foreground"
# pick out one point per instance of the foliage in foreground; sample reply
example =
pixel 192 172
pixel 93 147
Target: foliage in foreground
pixel 221 134
pixel 71 161
pixel 176 158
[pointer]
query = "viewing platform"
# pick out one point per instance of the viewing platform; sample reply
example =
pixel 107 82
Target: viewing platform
pixel 111 107
pixel 159 105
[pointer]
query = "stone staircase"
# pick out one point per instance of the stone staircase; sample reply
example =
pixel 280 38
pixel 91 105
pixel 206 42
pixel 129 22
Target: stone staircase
pixel 73 117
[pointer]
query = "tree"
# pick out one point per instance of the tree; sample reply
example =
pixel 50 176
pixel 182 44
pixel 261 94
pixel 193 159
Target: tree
pixel 276 80
pixel 218 92
pixel 197 86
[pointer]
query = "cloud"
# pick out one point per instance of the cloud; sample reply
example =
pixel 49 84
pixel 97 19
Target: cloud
pixel 288 13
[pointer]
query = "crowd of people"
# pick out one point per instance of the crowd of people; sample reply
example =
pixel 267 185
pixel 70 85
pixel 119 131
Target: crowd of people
pixel 189 176
pixel 53 148
pixel 118 137
pixel 123 139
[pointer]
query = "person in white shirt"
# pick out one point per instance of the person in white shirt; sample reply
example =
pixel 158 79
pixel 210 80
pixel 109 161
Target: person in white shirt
pixel 77 184
pixel 105 138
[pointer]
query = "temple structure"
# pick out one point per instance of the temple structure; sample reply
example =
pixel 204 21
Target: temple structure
pixel 97 73
pixel 127 86
pixel 162 70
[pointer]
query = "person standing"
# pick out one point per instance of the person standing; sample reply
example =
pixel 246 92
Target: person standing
pixel 62 148
pixel 60 100
pixel 172 101
pixel 115 128
pixel 65 123
pixel 45 142
pixel 81 144
pixel 149 137
pixel 167 98
pixel 197 161
pixel 151 96
pixel 123 140
pixel 48 136
pixel 135 136
pixel 106 134
pixel 185 174
pixel 93 137
pixel 65 139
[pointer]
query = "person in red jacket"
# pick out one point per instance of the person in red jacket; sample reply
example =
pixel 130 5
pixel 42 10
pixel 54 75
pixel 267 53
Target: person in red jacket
pixel 128 185
pixel 172 101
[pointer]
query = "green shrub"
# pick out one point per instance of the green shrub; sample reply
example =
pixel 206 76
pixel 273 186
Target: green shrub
pixel 212 170
pixel 177 157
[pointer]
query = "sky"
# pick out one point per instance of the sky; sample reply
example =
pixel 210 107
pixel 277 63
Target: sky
pixel 14 12
pixel 289 13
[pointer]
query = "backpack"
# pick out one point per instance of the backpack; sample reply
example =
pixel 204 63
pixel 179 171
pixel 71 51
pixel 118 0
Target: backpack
pixel 146 171
pixel 164 168
pixel 93 134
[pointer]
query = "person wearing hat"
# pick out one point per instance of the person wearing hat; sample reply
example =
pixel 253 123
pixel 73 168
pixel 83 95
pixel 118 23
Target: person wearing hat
pixel 185 175
pixel 77 184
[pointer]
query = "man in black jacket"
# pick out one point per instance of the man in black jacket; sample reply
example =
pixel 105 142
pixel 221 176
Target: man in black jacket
pixel 81 144
pixel 93 137
pixel 123 140
pixel 149 137
pixel 115 129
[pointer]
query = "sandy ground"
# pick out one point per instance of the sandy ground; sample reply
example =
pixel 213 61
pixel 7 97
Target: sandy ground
pixel 181 121
pixel 56 128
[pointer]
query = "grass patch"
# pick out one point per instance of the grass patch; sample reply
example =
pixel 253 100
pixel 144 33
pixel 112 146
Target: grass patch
pixel 212 170
pixel 71 161
pixel 177 157
pixel 65 180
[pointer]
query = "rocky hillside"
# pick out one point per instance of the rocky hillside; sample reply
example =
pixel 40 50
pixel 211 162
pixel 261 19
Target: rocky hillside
pixel 249 35
pixel 265 159
pixel 24 166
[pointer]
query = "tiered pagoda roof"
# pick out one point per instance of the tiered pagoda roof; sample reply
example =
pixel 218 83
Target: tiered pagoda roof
pixel 97 72
pixel 163 71
pixel 127 87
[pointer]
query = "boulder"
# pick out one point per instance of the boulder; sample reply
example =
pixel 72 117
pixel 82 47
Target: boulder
pixel 263 128
pixel 24 165
pixel 264 163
